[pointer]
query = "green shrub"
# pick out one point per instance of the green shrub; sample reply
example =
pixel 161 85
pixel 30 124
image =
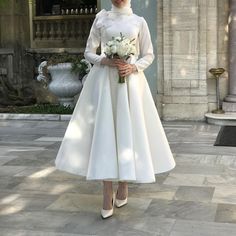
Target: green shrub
pixel 39 109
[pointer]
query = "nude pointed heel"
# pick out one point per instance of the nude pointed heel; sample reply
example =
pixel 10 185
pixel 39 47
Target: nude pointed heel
pixel 120 203
pixel 108 213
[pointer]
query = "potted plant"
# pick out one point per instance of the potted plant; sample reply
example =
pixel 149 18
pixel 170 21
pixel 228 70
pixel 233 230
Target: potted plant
pixel 67 76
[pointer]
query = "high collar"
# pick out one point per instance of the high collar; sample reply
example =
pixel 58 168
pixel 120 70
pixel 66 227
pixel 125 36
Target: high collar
pixel 126 10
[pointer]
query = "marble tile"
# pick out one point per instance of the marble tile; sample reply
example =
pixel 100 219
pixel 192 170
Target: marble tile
pixel 73 202
pixel 200 228
pixel 190 158
pixel 184 179
pixel 10 170
pixel 87 223
pixel 228 160
pixel 3 150
pixel 226 213
pixel 5 159
pixel 90 223
pixel 49 172
pixel 57 174
pixel 198 169
pixel 25 203
pixel 151 224
pixel 129 232
pixel 7 196
pixel 182 210
pixel 220 180
pixel 7 137
pixel 230 171
pixel 135 207
pixel 24 148
pixel 160 178
pixel 9 182
pixel 50 139
pixel 82 224
pixel 42 182
pixel 11 232
pixel 92 203
pixel 45 186
pixel 26 161
pixel 195 148
pixel 168 195
pixel 36 220
pixel 154 191
pixel 197 194
pixel 225 194
pixel 35 172
pixel 33 193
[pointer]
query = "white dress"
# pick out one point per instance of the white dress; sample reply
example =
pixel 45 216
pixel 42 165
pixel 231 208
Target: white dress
pixel 115 132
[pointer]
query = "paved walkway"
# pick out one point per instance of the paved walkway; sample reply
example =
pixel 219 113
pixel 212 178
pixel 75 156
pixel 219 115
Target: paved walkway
pixel 198 198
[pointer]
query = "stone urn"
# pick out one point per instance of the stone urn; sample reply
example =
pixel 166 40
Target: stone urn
pixel 65 84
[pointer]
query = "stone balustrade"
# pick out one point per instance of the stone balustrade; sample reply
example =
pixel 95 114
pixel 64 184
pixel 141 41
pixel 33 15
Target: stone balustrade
pixel 61 31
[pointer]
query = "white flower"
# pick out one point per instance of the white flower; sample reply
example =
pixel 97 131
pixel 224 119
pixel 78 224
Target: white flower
pixel 118 39
pixel 120 46
pixel 88 65
pixel 113 49
pixel 110 43
pixel 122 51
pixel 108 51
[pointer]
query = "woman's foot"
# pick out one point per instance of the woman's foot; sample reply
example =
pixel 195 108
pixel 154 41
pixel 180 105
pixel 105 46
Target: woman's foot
pixel 108 200
pixel 121 194
pixel 107 195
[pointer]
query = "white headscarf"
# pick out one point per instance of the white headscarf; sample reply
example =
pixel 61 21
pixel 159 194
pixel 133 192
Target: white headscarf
pixel 125 10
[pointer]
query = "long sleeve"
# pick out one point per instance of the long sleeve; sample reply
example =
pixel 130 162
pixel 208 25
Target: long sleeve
pixel 93 43
pixel 146 48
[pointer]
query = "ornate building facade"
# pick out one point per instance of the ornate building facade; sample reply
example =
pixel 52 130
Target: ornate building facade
pixel 189 36
pixel 193 37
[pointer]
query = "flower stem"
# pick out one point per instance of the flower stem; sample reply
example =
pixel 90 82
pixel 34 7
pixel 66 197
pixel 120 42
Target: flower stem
pixel 121 79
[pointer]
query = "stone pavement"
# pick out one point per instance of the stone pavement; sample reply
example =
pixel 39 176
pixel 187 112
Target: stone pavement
pixel 197 198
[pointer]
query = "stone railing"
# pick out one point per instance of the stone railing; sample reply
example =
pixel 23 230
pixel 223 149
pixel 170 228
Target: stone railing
pixel 61 31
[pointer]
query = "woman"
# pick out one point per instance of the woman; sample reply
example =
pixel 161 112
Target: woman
pixel 115 133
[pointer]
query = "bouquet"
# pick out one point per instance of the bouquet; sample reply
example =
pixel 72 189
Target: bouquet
pixel 120 48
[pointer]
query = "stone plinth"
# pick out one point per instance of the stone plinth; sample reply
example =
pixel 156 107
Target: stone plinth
pixel 229 107
pixel 221 119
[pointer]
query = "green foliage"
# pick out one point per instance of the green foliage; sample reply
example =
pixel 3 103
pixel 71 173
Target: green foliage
pixel 79 65
pixel 40 109
pixel 3 3
pixel 63 58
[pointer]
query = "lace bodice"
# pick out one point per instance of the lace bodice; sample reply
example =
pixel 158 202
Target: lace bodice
pixel 106 26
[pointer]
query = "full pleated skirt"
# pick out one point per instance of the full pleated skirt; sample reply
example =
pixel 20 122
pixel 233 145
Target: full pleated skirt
pixel 115 132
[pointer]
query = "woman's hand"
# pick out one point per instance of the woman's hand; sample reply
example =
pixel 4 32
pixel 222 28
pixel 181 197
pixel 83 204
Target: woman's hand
pixel 124 68
pixel 109 62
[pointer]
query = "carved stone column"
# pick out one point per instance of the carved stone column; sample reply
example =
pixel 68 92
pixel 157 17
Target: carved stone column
pixel 230 101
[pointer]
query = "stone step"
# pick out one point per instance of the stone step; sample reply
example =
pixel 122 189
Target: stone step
pixel 228 118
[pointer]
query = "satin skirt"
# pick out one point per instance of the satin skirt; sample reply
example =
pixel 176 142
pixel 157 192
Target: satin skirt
pixel 115 132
